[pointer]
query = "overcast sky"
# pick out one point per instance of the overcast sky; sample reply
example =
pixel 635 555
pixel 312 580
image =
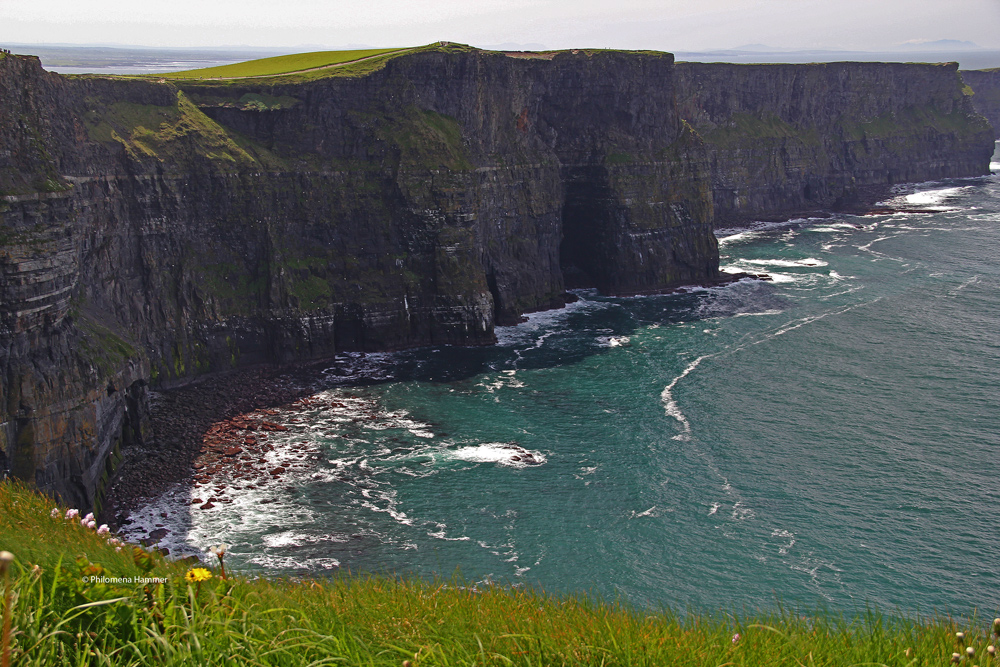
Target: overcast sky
pixel 670 25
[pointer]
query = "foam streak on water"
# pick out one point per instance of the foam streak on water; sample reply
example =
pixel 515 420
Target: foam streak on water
pixel 825 438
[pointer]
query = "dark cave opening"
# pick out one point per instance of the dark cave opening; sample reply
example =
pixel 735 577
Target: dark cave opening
pixel 585 221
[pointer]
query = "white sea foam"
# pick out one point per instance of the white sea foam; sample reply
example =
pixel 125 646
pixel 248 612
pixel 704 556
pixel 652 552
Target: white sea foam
pixel 809 261
pixel 670 405
pixel 545 321
pixel 784 535
pixel 506 378
pixel 932 197
pixel 649 512
pixel 291 538
pixel 440 534
pixel 831 228
pixel 971 281
pixel 734 235
pixel 614 341
pixel 742 512
pixel 760 314
pixel 274 562
pixel 501 453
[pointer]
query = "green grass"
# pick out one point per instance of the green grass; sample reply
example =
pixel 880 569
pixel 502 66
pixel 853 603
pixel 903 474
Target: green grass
pixel 60 620
pixel 280 65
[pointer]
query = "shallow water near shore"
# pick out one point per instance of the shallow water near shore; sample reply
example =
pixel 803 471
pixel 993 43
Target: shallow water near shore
pixel 828 438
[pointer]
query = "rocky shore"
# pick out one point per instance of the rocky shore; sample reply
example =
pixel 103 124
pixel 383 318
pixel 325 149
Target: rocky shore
pixel 201 417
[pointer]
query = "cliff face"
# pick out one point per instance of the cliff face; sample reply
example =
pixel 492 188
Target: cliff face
pixel 985 84
pixel 151 232
pixel 789 139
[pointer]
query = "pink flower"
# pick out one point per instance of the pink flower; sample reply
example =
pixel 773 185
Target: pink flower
pixel 72 514
pixel 103 530
pixel 736 638
pixel 118 549
pixel 91 524
pixel 89 517
pixel 55 513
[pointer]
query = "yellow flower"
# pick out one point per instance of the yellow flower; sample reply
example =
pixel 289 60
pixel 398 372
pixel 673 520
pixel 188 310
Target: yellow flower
pixel 197 575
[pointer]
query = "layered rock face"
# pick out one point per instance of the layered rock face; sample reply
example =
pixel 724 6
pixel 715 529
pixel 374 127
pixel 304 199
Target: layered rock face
pixel 784 140
pixel 151 232
pixel 985 84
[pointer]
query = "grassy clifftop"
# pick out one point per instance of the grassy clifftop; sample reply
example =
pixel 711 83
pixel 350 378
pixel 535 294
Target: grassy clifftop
pixel 307 66
pixel 79 598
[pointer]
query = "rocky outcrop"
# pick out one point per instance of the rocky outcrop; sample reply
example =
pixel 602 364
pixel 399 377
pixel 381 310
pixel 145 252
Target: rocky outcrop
pixel 985 85
pixel 153 232
pixel 786 140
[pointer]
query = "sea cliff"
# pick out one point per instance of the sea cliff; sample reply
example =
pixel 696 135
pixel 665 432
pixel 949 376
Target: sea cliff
pixel 985 85
pixel 785 140
pixel 154 231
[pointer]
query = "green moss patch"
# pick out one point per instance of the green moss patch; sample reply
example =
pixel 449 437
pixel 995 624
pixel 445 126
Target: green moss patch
pixel 102 347
pixel 175 134
pixel 427 140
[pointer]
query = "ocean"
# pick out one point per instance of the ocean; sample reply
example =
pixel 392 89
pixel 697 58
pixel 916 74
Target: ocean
pixel 826 439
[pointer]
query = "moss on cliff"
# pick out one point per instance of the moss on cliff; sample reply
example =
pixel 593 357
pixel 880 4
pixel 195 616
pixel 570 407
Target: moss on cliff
pixel 102 347
pixel 426 140
pixel 175 135
pixel 748 129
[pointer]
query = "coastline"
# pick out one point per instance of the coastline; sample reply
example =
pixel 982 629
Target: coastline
pixel 181 416
pixel 184 418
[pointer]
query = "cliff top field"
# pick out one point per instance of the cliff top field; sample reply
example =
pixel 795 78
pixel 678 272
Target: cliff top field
pixel 78 597
pixel 299 63
pixel 301 67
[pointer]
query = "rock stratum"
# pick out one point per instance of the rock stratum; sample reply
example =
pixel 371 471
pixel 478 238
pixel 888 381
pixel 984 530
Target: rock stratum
pixel 155 231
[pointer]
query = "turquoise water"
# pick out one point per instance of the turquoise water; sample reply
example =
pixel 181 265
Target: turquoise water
pixel 830 438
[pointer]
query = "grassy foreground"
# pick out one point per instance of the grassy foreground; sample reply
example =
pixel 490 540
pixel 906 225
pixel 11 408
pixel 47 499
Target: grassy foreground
pixel 61 616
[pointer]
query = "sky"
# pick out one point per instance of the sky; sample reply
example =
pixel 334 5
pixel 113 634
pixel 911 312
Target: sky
pixel 669 25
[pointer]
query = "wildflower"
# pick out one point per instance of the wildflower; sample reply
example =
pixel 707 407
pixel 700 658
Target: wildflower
pixel 118 549
pixel 960 638
pixel 736 638
pixel 72 514
pixel 91 524
pixel 956 658
pixel 992 650
pixel 55 513
pixel 89 517
pixel 220 552
pixel 996 626
pixel 103 530
pixel 970 652
pixel 114 541
pixel 197 575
